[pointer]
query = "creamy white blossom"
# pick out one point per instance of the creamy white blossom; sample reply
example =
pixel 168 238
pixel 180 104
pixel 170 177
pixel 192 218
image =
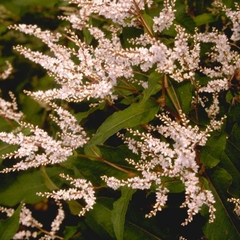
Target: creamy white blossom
pixel 176 160
pixel 9 110
pixel 166 16
pixel 31 224
pixel 38 148
pixel 7 72
pixel 236 209
pixel 92 72
pixel 83 190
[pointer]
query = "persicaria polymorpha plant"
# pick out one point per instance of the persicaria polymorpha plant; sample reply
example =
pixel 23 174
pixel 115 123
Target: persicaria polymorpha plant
pixel 165 90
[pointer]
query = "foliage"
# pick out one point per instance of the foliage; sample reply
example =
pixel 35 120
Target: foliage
pixel 128 118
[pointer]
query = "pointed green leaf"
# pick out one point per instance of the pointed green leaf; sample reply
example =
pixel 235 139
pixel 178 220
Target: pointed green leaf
pixel 99 219
pixel 184 92
pixel 149 22
pixel 48 182
pixel 74 207
pixel 224 227
pixel 182 18
pixel 69 232
pixel 16 187
pixel 153 85
pixel 205 18
pixel 211 153
pixel 9 227
pixel 234 171
pixel 132 116
pixel 119 211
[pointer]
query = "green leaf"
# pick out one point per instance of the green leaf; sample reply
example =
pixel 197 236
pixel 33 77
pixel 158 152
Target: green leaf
pixel 74 207
pixel 9 227
pixel 128 33
pixel 229 3
pixel 224 227
pixel 184 92
pixel 93 153
pixel 88 37
pixel 69 232
pixel 33 111
pixel 204 19
pixel 81 115
pixel 174 186
pixel 153 85
pixel 99 219
pixel 136 114
pixel 16 187
pixel 135 231
pixel 230 161
pixel 211 153
pixel 119 211
pixel 46 3
pixel 182 18
pixel 48 182
pixel 149 22
pixel 228 165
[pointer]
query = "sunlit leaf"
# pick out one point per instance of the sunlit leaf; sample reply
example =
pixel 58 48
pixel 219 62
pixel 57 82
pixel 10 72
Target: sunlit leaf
pixel 74 207
pixel 204 19
pixel 132 116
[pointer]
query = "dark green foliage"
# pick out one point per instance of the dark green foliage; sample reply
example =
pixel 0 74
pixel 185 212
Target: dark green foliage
pixel 119 214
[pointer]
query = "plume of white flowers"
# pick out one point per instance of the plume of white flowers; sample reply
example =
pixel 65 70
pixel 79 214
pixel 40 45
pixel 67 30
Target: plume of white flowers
pixel 28 221
pixel 38 148
pixel 235 18
pixel 166 16
pixel 7 72
pixel 178 160
pixel 82 190
pixel 9 110
pixel 86 72
pixel 236 209
pixel 120 11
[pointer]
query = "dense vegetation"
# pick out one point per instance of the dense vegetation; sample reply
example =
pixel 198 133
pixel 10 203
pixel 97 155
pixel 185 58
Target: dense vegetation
pixel 120 120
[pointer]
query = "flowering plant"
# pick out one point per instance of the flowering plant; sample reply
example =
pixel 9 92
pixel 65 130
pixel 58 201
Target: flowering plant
pixel 139 114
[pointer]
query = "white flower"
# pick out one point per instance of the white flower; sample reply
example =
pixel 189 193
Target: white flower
pixel 176 160
pixel 83 190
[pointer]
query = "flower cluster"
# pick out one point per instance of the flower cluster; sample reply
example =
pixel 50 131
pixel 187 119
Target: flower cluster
pixel 236 209
pixel 33 226
pixel 95 72
pixel 38 148
pixel 82 190
pixel 165 18
pixel 178 160
pixel 9 110
pixel 7 72
pixel 120 12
